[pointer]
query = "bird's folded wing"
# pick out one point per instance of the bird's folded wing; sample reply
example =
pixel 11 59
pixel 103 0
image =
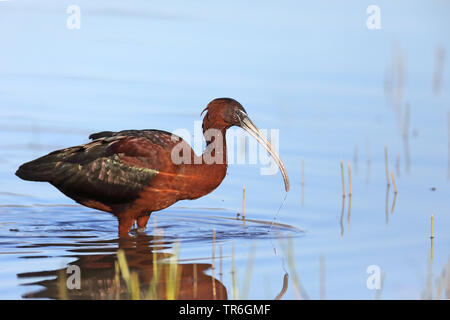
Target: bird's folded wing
pixel 112 169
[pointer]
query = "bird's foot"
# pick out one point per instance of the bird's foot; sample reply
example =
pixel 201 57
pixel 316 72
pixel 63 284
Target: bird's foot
pixel 142 223
pixel 125 225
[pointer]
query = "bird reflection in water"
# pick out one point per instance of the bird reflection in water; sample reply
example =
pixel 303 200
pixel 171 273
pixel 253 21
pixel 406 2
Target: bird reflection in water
pixel 101 279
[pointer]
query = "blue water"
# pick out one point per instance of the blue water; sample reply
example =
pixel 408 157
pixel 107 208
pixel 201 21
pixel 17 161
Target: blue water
pixel 310 69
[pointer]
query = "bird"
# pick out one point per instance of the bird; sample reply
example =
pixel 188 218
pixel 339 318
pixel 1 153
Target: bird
pixel 132 173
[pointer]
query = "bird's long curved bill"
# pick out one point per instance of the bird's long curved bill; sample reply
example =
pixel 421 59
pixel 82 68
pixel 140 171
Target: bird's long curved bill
pixel 251 128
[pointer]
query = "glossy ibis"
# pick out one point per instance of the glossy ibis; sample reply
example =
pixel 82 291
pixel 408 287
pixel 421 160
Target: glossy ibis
pixel 133 173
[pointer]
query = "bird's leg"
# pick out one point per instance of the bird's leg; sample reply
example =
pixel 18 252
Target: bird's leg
pixel 125 224
pixel 142 222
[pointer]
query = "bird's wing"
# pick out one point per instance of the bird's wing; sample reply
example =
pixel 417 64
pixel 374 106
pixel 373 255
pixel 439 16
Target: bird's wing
pixel 112 169
pixel 102 134
pixel 158 137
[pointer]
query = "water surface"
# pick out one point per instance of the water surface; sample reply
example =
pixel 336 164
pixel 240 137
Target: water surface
pixel 334 89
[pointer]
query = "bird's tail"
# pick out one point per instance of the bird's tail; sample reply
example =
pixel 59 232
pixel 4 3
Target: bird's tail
pixel 36 170
pixel 44 168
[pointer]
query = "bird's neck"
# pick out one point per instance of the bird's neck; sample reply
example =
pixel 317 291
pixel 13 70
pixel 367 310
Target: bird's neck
pixel 209 169
pixel 214 157
pixel 216 147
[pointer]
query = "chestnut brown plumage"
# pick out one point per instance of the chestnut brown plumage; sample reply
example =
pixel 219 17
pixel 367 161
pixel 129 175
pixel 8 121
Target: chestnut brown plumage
pixel 132 173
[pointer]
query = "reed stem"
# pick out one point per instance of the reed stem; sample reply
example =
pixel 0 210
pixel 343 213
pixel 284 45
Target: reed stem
pixel 135 290
pixel 124 270
pixel 432 218
pixel 393 182
pixel 173 274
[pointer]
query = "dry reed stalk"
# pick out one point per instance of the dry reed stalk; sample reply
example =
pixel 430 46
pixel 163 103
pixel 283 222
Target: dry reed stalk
pixel 135 291
pixel 432 234
pixel 284 288
pixel 393 203
pixel 393 182
pixel 349 211
pixel 173 274
pixel 124 270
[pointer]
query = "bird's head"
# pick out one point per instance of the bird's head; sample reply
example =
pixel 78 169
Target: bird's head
pixel 223 113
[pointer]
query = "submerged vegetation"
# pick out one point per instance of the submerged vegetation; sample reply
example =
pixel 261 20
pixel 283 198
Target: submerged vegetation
pixel 166 278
